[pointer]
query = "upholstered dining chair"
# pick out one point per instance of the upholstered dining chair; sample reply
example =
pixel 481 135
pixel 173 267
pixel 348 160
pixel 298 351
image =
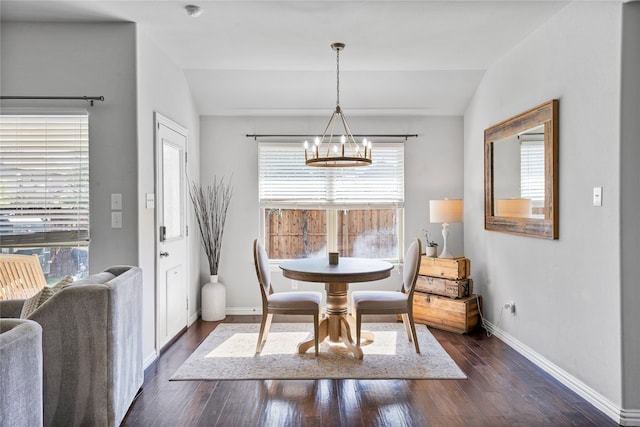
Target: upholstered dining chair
pixel 392 302
pixel 281 302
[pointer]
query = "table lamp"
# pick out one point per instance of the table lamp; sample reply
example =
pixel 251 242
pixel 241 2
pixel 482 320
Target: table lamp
pixel 445 211
pixel 517 208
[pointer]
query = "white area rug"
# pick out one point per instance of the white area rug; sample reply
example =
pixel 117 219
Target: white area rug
pixel 228 353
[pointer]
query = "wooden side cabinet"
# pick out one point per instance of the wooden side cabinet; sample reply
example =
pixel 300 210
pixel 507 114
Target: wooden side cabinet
pixel 444 297
pixel 460 315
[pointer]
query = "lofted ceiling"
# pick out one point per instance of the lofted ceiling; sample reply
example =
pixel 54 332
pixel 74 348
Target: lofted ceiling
pixel 274 57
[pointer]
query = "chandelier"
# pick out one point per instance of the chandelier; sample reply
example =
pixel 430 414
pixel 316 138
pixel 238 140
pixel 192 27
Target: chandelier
pixel 329 151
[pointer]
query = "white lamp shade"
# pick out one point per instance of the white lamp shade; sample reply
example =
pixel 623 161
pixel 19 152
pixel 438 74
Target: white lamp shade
pixel 447 210
pixel 518 208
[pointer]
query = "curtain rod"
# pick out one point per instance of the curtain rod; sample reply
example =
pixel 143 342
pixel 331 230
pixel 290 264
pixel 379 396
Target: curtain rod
pixel 89 99
pixel 256 136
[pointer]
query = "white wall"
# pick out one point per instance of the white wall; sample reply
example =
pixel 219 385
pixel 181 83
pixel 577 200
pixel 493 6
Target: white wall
pixel 630 204
pixel 162 88
pixel 432 170
pixel 57 59
pixel 566 291
pixel 136 79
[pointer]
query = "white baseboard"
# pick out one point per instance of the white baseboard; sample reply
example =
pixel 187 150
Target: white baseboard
pixel 619 415
pixel 630 417
pixel 244 311
pixel 150 359
pixel 193 318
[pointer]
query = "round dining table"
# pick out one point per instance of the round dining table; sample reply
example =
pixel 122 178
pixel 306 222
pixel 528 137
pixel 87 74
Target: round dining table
pixel 337 324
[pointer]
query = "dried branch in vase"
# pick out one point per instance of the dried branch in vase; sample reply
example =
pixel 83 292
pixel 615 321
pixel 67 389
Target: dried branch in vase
pixel 211 204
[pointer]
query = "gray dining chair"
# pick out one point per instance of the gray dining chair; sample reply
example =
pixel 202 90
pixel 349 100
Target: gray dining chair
pixel 282 302
pixel 392 302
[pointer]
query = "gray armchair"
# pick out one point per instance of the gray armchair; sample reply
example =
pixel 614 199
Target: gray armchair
pixel 20 373
pixel 92 347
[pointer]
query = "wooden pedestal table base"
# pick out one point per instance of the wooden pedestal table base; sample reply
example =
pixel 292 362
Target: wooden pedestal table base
pixel 337 324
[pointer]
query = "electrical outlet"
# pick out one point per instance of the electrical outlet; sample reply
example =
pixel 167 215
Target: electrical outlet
pixel 597 196
pixel 511 306
pixel 294 284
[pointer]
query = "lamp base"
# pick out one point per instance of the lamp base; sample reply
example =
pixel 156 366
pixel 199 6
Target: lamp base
pixel 446 254
pixel 445 233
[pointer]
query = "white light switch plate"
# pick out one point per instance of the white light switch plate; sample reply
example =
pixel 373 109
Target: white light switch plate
pixel 597 196
pixel 150 200
pixel 116 219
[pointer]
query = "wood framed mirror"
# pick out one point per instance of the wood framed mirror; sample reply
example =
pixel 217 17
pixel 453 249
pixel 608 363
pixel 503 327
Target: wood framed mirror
pixel 521 173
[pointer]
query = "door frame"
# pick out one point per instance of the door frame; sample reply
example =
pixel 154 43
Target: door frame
pixel 159 119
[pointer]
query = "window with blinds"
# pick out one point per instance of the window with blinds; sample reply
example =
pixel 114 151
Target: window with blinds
pixel 532 171
pixel 44 181
pixel 286 182
pixel 357 210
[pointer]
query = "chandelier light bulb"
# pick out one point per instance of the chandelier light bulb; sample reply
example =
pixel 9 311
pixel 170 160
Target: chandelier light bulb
pixel 349 154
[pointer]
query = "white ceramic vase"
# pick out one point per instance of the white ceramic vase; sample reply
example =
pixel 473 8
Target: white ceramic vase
pixel 214 300
pixel 432 251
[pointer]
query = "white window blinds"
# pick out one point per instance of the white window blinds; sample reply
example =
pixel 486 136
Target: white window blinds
pixel 286 182
pixel 44 180
pixel 532 170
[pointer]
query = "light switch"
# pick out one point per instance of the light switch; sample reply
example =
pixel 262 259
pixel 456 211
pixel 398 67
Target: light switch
pixel 150 200
pixel 597 196
pixel 116 219
pixel 116 202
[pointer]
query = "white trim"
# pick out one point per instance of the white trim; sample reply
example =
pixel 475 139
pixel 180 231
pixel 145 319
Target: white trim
pixel 629 417
pixel 617 414
pixel 194 317
pixel 150 359
pixel 244 311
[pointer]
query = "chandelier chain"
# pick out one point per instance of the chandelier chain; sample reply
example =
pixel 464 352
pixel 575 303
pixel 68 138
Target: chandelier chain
pixel 337 77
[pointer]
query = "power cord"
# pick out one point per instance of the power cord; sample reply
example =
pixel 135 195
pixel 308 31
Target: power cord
pixel 482 320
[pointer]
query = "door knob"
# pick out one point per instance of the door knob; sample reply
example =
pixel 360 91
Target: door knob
pixel 164 254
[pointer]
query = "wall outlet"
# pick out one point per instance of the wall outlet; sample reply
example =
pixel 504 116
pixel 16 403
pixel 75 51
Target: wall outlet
pixel 294 284
pixel 597 196
pixel 511 306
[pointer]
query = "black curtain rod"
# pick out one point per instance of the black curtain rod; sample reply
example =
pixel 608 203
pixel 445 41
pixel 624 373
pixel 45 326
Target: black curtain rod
pixel 256 136
pixel 89 99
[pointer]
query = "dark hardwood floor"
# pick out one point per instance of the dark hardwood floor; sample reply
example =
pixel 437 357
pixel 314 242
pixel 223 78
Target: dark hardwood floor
pixel 503 389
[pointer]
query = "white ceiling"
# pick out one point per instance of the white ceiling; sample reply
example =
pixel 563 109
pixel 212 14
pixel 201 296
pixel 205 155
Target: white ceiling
pixel 274 57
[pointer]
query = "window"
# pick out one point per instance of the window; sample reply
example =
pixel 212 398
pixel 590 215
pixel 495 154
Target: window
pixel 305 210
pixel 532 175
pixel 44 190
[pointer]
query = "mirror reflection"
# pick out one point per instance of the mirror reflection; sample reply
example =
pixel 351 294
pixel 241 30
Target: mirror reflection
pixel 521 173
pixel 518 174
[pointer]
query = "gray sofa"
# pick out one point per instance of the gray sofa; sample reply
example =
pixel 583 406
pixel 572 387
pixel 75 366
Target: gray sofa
pixel 20 373
pixel 92 348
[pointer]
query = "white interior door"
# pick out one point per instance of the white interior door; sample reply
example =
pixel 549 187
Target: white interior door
pixel 171 241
